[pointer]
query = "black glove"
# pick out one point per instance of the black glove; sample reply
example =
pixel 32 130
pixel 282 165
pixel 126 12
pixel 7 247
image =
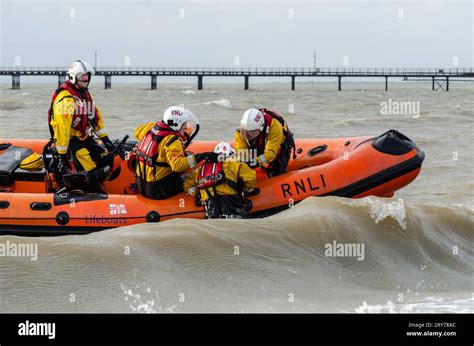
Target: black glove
pixel 108 143
pixel 197 199
pixel 63 164
pixel 253 192
pixel 209 156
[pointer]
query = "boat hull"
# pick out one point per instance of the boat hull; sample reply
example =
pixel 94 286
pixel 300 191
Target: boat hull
pixel 347 167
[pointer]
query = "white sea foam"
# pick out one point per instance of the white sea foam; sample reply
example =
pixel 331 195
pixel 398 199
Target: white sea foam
pixel 146 301
pixel 222 103
pixel 426 305
pixel 465 207
pixel 380 209
pixel 188 92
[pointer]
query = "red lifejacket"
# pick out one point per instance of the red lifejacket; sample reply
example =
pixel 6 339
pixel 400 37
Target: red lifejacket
pixel 212 174
pixel 85 113
pixel 147 148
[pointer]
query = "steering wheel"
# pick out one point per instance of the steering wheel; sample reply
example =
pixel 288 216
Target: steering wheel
pixel 119 149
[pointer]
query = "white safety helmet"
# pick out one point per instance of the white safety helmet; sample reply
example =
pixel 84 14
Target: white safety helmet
pixel 224 148
pixel 79 68
pixel 176 116
pixel 252 119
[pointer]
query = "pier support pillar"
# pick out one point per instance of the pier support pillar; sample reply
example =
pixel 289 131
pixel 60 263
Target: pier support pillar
pixel 432 84
pixel 153 82
pixel 16 81
pixel 61 79
pixel 293 82
pixel 386 83
pixel 108 81
pixel 440 83
pixel 339 82
pixel 199 82
pixel 246 83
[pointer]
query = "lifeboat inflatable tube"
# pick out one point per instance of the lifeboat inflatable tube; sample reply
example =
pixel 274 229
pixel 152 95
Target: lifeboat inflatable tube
pixel 347 167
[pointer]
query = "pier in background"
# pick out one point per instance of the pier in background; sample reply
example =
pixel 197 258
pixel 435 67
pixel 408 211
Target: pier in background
pixel 439 77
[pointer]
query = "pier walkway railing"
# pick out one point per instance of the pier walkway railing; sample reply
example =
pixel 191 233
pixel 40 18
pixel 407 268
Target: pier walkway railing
pixel 439 75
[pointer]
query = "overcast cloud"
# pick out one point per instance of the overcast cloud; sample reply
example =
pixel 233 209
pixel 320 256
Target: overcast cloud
pixel 265 33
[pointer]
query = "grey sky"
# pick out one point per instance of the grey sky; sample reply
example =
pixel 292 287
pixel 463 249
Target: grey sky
pixel 265 33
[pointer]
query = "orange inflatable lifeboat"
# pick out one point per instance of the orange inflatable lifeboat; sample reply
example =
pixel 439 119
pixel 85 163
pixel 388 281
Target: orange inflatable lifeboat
pixel 347 167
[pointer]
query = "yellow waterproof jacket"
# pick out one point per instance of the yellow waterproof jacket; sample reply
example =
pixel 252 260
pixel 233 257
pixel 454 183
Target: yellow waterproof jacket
pixel 275 138
pixel 233 170
pixel 173 154
pixel 64 107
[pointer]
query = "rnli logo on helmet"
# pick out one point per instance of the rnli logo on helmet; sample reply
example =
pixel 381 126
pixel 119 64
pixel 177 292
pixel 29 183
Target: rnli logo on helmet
pixel 176 112
pixel 258 117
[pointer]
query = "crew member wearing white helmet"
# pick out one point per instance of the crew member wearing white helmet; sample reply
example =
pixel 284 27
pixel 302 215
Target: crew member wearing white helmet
pixel 161 156
pixel 73 120
pixel 267 133
pixel 221 184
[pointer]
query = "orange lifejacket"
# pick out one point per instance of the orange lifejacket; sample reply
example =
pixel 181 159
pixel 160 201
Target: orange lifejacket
pixel 85 114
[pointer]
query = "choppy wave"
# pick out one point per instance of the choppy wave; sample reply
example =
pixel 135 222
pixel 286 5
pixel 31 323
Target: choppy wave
pixel 466 112
pixel 354 121
pixel 380 209
pixel 255 265
pixel 11 105
pixel 188 92
pixel 222 103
